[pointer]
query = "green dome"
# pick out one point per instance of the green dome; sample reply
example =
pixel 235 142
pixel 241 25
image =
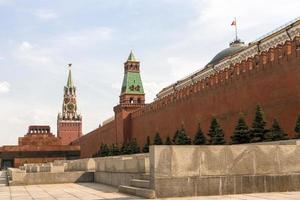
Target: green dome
pixel 235 47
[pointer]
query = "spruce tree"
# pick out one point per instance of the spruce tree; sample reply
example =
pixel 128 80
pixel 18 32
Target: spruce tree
pixel 297 128
pixel 199 137
pixel 182 138
pixel 104 150
pixel 258 131
pixel 168 141
pixel 276 133
pixel 216 133
pixel 133 146
pixel 146 146
pixel 157 139
pixel 241 133
pixel 175 136
pixel 125 149
pixel 115 150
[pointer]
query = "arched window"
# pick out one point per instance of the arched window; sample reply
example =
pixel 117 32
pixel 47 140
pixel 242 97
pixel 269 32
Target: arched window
pixel 131 100
pixel 139 100
pixel 298 44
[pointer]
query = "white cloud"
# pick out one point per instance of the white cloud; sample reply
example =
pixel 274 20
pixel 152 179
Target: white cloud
pixel 33 55
pixel 25 46
pixel 1 58
pixel 181 66
pixel 4 87
pixel 88 37
pixel 152 88
pixel 46 14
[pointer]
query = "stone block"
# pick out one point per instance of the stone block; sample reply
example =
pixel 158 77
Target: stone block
pixel 179 187
pixel 56 169
pixel 100 164
pixel 277 183
pixel 233 185
pixel 202 186
pixel 212 160
pixel 185 161
pixel 294 182
pixel 143 163
pixel 110 165
pixel 289 159
pixel 161 161
pixel 252 184
pixel 130 165
pixel 266 160
pixel 103 177
pixel 119 165
pixel 240 160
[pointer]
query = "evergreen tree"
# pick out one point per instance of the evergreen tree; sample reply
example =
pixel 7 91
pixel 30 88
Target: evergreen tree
pixel 182 138
pixel 297 128
pixel 168 141
pixel 175 136
pixel 241 133
pixel 199 137
pixel 157 139
pixel 276 133
pixel 146 146
pixel 258 131
pixel 125 149
pixel 216 133
pixel 115 150
pixel 133 147
pixel 104 150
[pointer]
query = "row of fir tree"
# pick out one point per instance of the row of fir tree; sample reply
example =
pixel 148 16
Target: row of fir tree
pixel 242 134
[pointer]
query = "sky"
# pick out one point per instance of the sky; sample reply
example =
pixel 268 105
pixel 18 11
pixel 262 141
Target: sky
pixel 171 38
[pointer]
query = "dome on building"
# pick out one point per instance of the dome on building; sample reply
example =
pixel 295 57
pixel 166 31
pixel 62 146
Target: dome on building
pixel 233 48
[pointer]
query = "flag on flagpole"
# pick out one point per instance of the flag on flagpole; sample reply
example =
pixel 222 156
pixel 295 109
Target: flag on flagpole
pixel 233 23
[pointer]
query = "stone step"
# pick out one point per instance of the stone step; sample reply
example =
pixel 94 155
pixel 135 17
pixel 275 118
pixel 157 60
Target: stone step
pixel 145 177
pixel 141 192
pixel 3 180
pixel 140 183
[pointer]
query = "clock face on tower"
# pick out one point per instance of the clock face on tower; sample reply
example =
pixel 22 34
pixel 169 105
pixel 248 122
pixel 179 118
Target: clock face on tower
pixel 70 107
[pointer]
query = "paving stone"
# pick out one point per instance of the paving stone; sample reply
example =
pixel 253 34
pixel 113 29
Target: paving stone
pixel 93 191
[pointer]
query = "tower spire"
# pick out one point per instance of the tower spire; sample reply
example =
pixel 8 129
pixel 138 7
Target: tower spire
pixel 69 122
pixel 70 81
pixel 131 57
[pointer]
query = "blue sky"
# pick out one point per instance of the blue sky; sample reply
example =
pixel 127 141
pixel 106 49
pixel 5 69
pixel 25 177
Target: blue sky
pixel 171 38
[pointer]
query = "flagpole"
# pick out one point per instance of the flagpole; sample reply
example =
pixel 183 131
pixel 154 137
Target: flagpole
pixel 236 38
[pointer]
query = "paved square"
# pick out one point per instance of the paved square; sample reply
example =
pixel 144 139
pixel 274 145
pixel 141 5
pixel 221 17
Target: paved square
pixel 94 191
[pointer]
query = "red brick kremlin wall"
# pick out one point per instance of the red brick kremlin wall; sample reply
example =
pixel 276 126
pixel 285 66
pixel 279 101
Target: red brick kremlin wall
pixel 271 79
pixel 90 143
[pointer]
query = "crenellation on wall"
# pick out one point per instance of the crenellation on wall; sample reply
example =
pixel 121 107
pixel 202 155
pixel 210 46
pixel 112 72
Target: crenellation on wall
pixel 266 73
pixel 260 61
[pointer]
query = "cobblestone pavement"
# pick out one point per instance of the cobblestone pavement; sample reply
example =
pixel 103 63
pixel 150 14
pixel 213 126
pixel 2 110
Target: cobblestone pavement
pixel 89 191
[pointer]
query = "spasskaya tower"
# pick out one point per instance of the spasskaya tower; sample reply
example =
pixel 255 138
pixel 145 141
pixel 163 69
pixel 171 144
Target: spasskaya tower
pixel 69 122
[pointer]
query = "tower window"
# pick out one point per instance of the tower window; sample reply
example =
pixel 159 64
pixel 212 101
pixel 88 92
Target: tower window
pixel 297 44
pixel 131 100
pixel 139 100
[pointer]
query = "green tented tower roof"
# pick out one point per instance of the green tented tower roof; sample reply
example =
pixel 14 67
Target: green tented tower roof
pixel 132 83
pixel 131 57
pixel 70 81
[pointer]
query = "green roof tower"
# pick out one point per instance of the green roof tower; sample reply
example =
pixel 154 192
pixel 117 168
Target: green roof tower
pixel 132 98
pixel 132 91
